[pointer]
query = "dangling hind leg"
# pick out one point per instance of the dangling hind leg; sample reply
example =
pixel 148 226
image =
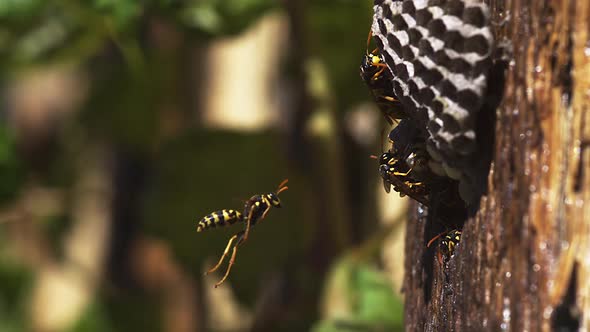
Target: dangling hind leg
pixel 251 215
pixel 232 259
pixel 226 251
pixel 238 238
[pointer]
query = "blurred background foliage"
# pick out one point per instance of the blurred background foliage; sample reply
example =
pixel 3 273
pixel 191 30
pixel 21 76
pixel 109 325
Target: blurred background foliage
pixel 124 122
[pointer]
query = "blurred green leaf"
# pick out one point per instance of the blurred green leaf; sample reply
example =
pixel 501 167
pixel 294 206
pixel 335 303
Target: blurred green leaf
pixel 94 319
pixel 121 12
pixel 376 300
pixel 73 31
pixel 359 298
pixel 34 31
pixel 223 17
pixel 203 16
pixel 47 35
pixel 18 7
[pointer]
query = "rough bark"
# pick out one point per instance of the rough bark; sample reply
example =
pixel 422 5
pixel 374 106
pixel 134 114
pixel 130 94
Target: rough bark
pixel 523 260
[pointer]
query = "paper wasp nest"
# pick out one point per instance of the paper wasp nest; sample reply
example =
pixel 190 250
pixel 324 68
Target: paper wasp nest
pixel 439 54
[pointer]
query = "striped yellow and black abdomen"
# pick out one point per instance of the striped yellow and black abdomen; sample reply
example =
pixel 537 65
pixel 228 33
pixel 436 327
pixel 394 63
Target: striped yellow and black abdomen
pixel 219 218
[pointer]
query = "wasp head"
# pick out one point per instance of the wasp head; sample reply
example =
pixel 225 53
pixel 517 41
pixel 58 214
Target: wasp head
pixel 388 159
pixel 274 200
pixel 371 68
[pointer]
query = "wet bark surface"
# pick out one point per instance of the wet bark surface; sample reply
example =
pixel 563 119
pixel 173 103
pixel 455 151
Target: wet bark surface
pixel 523 260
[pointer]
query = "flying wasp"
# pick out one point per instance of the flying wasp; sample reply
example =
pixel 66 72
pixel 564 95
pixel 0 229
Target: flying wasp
pixel 255 209
pixel 374 73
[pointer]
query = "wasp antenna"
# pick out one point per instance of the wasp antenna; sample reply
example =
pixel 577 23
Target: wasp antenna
pixel 434 239
pixel 373 156
pixel 279 188
pixel 282 189
pixel 369 41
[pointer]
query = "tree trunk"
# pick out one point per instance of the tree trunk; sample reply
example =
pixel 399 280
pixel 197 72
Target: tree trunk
pixel 523 261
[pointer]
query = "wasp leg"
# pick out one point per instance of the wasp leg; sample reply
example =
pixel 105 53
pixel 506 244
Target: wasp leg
pixel 377 74
pixel 379 64
pixel 268 205
pixel 405 174
pixel 241 239
pixel 248 223
pixel 249 220
pixel 388 98
pixel 225 252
